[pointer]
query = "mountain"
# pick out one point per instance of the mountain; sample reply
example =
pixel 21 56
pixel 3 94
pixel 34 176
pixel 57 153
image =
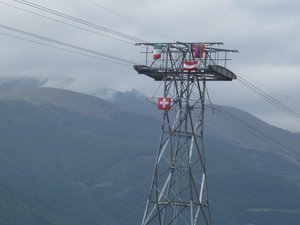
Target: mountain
pixel 71 158
pixel 66 158
pixel 131 101
pixel 254 166
pixel 244 129
pixel 14 85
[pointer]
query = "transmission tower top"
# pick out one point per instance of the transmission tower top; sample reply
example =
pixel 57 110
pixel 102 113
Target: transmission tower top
pixel 184 61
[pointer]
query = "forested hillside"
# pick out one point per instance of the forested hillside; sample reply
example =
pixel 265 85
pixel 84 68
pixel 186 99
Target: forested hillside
pixel 70 158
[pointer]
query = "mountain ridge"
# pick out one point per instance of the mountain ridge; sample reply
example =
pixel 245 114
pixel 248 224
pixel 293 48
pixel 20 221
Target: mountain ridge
pixel 258 129
pixel 63 165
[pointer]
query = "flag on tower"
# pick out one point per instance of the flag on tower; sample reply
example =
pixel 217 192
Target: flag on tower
pixel 190 65
pixel 157 51
pixel 198 50
pixel 164 103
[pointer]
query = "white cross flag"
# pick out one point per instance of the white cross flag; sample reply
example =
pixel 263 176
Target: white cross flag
pixel 164 103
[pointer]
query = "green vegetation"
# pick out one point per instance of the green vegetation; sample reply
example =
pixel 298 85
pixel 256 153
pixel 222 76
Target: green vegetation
pixel 60 165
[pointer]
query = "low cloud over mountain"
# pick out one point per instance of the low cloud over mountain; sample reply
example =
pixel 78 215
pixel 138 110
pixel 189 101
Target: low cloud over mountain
pixel 70 158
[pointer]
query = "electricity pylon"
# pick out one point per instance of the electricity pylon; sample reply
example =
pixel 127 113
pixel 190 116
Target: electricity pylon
pixel 178 191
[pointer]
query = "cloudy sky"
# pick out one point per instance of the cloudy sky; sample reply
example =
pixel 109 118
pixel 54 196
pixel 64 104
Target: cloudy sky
pixel 266 33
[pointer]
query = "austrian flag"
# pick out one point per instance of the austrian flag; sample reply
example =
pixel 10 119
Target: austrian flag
pixel 190 65
pixel 164 103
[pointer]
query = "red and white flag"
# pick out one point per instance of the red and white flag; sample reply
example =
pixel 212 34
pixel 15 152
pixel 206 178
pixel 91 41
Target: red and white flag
pixel 164 103
pixel 190 65
pixel 157 51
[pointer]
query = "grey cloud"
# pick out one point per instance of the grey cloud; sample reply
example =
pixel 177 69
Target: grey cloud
pixel 265 32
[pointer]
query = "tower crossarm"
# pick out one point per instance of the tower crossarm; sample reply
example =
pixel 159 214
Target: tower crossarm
pixel 179 60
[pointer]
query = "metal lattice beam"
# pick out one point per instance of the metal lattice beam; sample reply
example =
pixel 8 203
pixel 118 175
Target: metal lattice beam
pixel 178 191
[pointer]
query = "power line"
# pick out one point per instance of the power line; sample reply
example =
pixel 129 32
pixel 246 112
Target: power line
pixel 254 131
pixel 77 20
pixel 66 44
pixel 279 94
pixel 62 49
pixel 269 98
pixel 131 20
pixel 72 25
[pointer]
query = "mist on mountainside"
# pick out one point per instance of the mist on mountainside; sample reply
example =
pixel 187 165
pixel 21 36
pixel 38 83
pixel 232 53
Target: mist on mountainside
pixel 72 158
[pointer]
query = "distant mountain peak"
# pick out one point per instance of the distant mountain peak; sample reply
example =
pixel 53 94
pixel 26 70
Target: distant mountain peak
pixel 111 95
pixel 69 100
pixel 131 101
pixel 105 93
pixel 16 84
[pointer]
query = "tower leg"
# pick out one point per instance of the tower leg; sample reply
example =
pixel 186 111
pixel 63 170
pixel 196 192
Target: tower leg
pixel 178 192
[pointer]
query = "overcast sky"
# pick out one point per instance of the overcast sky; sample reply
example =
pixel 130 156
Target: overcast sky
pixel 266 33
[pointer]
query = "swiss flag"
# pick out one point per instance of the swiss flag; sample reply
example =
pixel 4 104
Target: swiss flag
pixel 164 103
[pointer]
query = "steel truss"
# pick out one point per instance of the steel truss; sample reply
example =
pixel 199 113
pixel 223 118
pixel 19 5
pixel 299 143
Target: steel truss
pixel 178 191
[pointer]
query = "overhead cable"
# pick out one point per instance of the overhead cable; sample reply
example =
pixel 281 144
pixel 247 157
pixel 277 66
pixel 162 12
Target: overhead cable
pixel 66 44
pixel 77 20
pixel 131 20
pixel 279 94
pixel 256 132
pixel 63 49
pixel 269 98
pixel 69 24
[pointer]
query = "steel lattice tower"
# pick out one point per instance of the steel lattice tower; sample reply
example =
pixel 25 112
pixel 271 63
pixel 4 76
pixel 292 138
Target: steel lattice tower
pixel 178 192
